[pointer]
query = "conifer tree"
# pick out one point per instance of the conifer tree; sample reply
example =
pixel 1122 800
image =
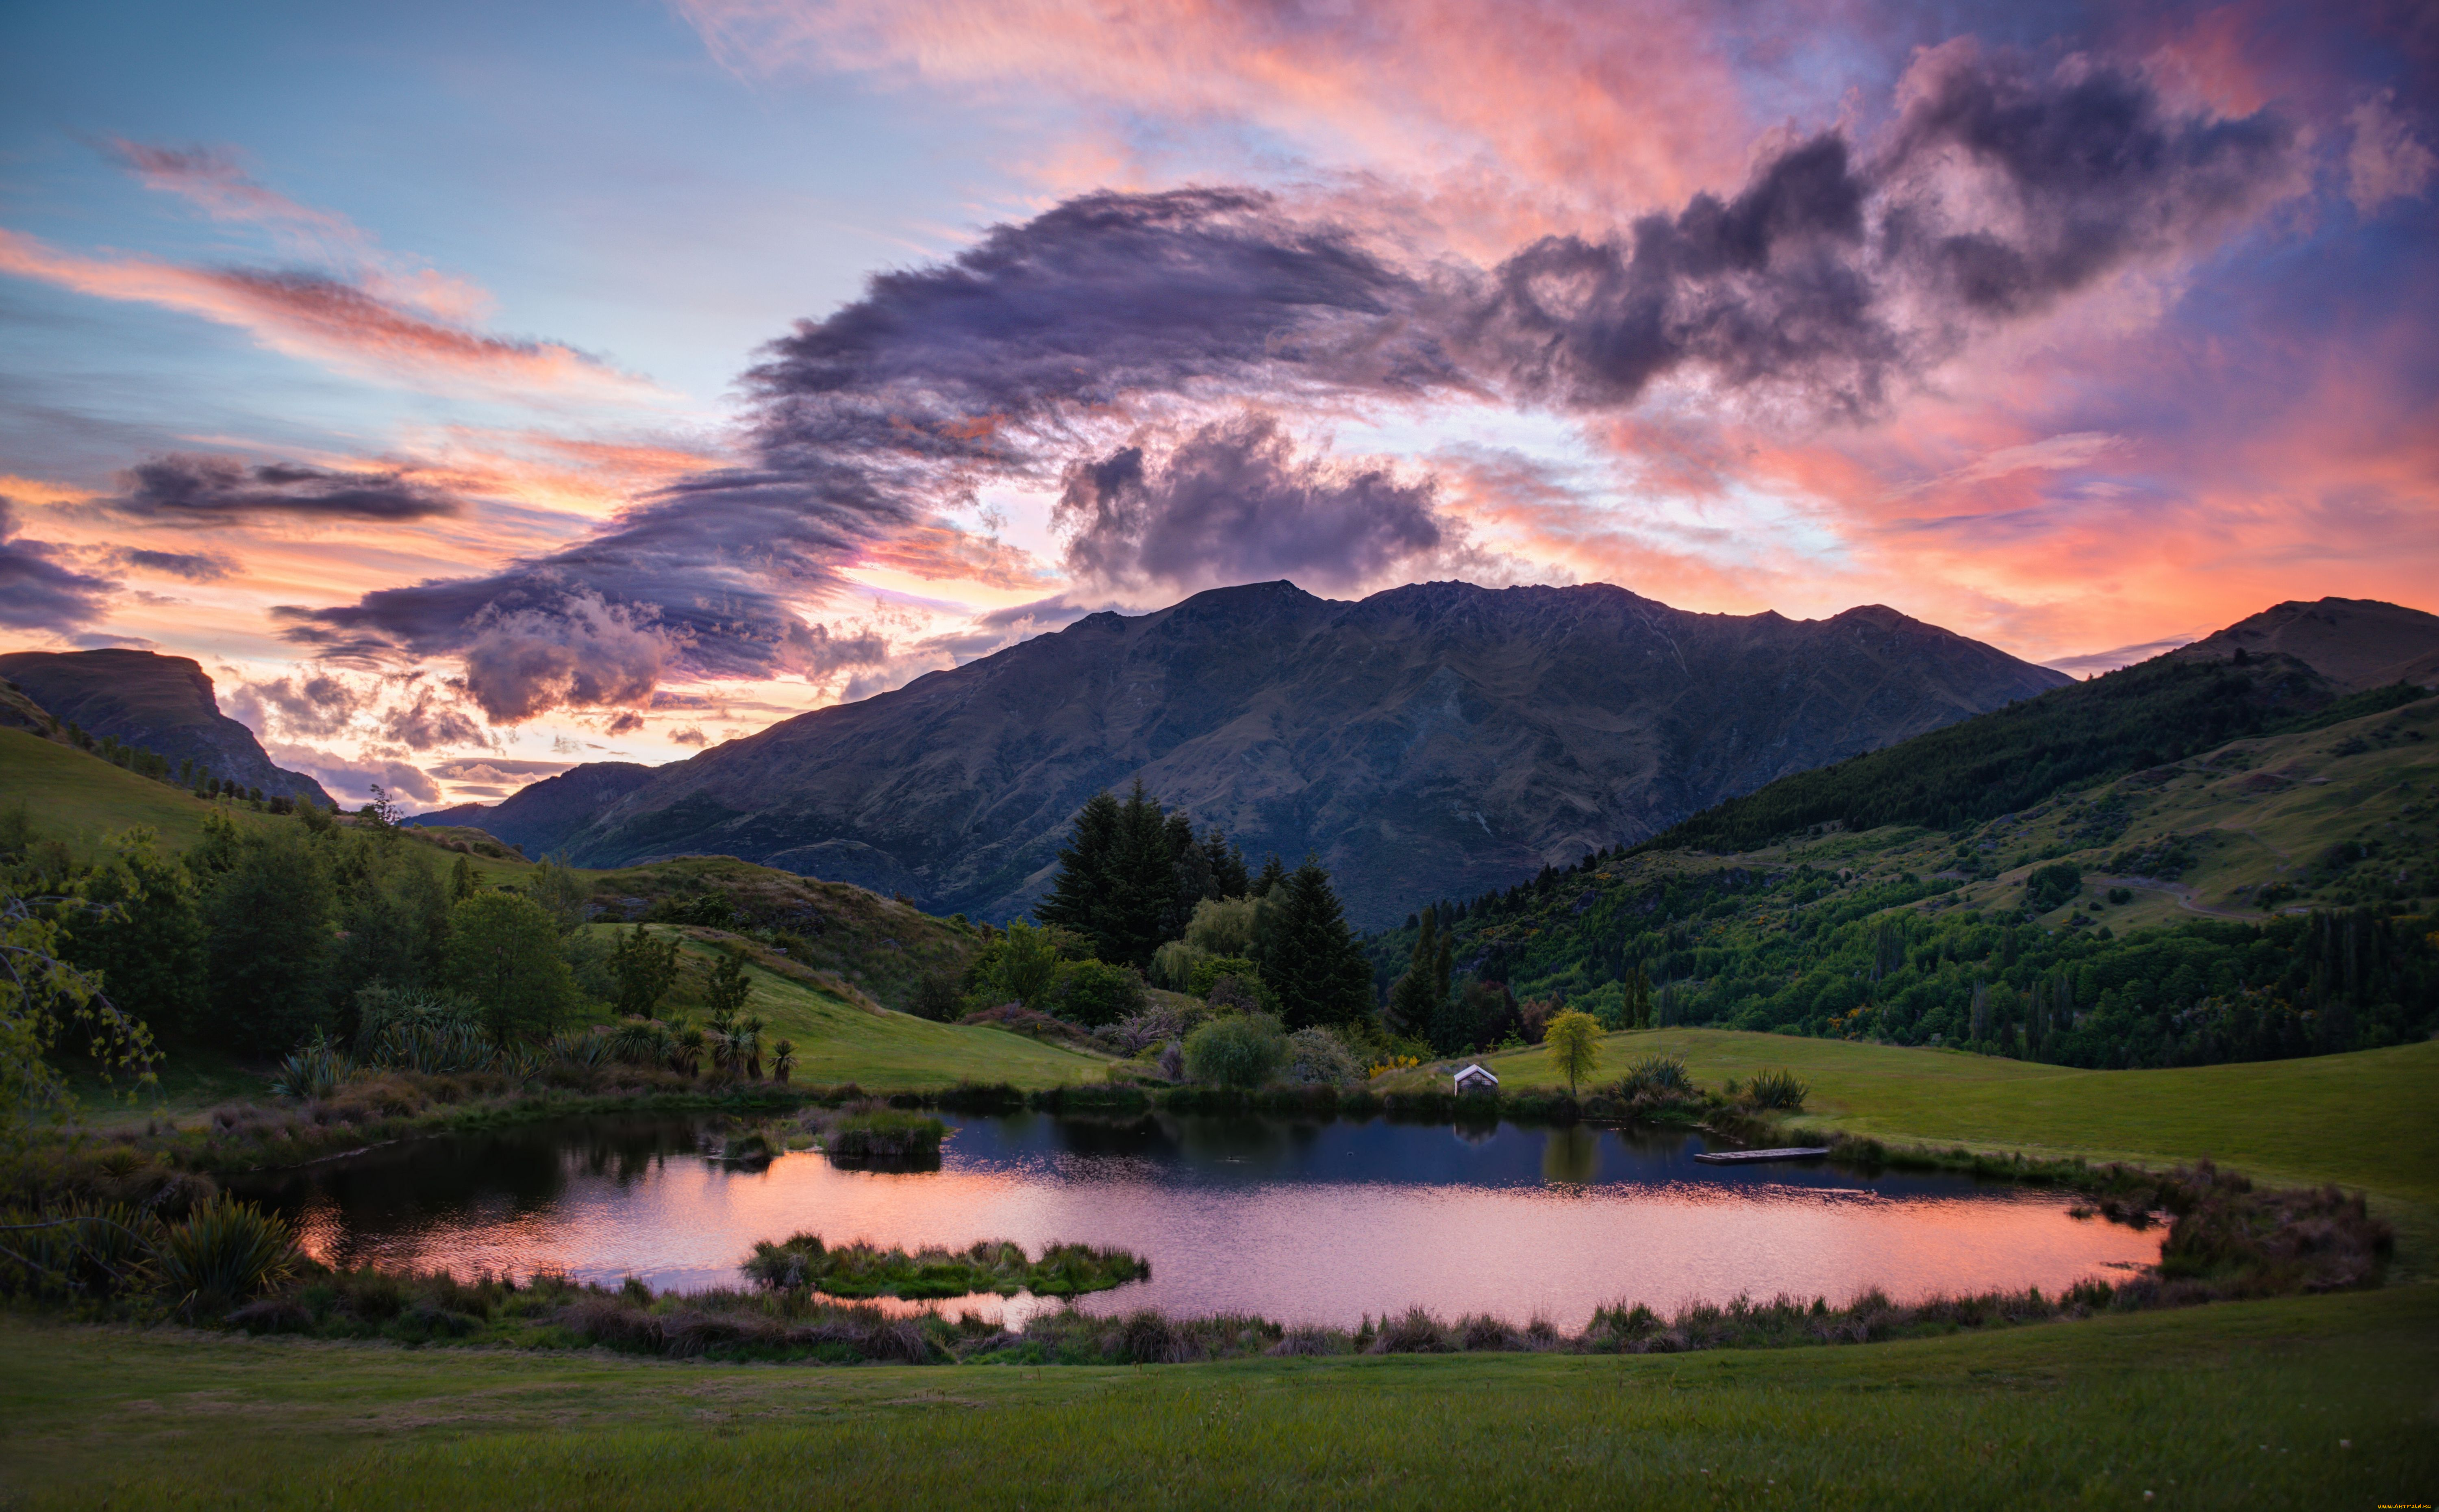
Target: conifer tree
pixel 1085 869
pixel 1272 874
pixel 1229 878
pixel 1309 955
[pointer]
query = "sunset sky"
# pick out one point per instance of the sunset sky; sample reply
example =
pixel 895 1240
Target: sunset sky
pixel 474 390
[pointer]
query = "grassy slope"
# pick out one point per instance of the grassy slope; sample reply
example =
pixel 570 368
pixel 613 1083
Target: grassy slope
pixel 2266 808
pixel 81 798
pixel 2362 1120
pixel 839 1039
pixel 2232 1406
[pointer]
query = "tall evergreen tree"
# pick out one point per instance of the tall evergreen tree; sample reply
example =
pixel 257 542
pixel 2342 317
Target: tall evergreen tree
pixel 1309 955
pixel 1414 1001
pixel 1229 878
pixel 1191 872
pixel 1086 869
pixel 1272 874
pixel 1143 890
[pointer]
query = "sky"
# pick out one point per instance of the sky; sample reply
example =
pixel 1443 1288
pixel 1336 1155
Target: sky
pixel 477 389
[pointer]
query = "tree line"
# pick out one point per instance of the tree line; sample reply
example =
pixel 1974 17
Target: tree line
pixel 1141 895
pixel 261 936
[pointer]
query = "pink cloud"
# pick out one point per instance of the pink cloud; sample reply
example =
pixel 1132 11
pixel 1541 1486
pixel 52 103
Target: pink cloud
pixel 321 319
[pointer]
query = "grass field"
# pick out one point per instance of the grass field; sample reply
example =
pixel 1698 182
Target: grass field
pixel 2363 1120
pixel 2317 1402
pixel 81 798
pixel 838 1041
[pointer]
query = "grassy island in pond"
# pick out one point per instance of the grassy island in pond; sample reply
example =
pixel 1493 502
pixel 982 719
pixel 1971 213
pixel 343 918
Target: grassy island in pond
pixel 804 1263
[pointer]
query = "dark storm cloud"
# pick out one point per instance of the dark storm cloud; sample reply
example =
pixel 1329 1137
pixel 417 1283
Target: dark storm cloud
pixel 1234 503
pixel 1837 269
pixel 2096 170
pixel 219 489
pixel 1998 191
pixel 1103 297
pixel 36 593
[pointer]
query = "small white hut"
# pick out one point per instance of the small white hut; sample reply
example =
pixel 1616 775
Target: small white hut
pixel 1474 1078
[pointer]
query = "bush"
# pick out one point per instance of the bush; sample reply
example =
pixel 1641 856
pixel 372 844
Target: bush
pixel 1777 1090
pixel 224 1253
pixel 1658 1076
pixel 1173 965
pixel 1094 993
pixel 1317 1056
pixel 1210 968
pixel 2053 884
pixel 1237 1050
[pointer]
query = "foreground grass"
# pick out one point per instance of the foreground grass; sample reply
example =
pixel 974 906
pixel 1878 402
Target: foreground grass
pixel 2229 1406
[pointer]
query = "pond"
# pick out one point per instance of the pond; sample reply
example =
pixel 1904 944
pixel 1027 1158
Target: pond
pixel 1306 1222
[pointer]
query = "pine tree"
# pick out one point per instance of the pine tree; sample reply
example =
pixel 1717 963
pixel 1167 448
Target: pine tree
pixel 1308 956
pixel 1272 874
pixel 1086 869
pixel 1415 1000
pixel 1227 863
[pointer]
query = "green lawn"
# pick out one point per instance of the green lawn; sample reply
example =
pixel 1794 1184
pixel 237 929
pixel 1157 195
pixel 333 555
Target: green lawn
pixel 2232 1406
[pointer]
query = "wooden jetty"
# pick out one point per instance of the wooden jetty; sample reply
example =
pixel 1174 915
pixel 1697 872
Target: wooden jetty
pixel 1755 1157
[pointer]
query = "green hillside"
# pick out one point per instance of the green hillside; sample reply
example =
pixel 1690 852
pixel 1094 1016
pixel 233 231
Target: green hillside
pixel 842 1034
pixel 79 799
pixel 2138 717
pixel 2362 1120
pixel 827 957
pixel 2164 916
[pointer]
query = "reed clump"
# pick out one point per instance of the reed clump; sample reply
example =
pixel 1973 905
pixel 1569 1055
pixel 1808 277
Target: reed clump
pixel 869 1131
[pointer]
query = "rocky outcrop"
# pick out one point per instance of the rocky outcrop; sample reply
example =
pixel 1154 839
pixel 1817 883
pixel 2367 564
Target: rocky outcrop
pixel 163 703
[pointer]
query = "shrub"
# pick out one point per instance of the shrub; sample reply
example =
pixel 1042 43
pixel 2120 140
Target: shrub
pixel 1318 1055
pixel 1172 966
pixel 1658 1077
pixel 1210 968
pixel 2052 884
pixel 937 996
pixel 1237 1050
pixel 1094 993
pixel 224 1253
pixel 316 1071
pixel 1777 1090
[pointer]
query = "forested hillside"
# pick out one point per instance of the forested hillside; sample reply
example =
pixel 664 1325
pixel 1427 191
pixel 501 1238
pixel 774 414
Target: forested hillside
pixel 2271 898
pixel 2138 717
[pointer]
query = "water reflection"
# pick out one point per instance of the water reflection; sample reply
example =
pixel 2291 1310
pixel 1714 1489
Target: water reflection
pixel 1315 1220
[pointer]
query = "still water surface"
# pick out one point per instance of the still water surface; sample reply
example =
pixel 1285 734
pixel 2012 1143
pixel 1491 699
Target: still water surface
pixel 1301 1221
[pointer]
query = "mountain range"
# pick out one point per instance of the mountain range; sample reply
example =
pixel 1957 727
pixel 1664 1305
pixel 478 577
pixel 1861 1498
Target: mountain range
pixel 1434 740
pixel 163 703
